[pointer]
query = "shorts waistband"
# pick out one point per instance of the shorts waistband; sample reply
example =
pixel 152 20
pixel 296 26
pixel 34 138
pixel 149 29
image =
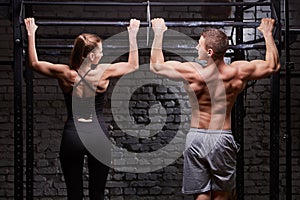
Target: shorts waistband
pixel 206 131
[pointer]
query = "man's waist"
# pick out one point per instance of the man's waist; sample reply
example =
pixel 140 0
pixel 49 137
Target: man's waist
pixel 210 131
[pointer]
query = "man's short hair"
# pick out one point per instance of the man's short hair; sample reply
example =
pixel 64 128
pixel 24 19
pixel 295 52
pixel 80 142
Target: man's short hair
pixel 216 40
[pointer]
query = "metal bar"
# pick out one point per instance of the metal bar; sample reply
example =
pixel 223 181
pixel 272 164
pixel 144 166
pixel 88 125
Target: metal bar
pixel 292 74
pixel 71 37
pixel 274 138
pixel 250 6
pixel 42 17
pixel 29 123
pixel 274 13
pixel 288 144
pixel 292 30
pixel 70 3
pixel 239 130
pixel 6 62
pixel 169 23
pixel 29 134
pixel 247 46
pixel 288 136
pixel 274 116
pixel 18 114
pixel 239 111
pixel 4 3
pixel 255 41
pixel 84 3
pixel 233 47
pixel 237 3
pixel 221 24
pixel 149 22
pixel 86 23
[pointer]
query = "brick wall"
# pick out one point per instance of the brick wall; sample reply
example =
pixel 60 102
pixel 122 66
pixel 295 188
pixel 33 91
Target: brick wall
pixel 6 105
pixel 50 113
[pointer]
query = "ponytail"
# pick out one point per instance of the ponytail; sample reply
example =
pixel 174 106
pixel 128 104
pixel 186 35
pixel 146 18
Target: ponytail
pixel 83 45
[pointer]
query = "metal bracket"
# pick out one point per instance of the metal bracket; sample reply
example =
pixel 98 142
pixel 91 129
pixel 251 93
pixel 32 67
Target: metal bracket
pixel 290 65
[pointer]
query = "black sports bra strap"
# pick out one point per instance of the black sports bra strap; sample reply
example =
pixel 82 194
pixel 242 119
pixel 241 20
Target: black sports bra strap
pixel 82 79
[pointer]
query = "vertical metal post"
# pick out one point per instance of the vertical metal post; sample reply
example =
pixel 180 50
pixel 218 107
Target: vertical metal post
pixel 29 134
pixel 239 110
pixel 149 22
pixel 274 117
pixel 288 104
pixel 18 114
pixel 239 133
pixel 29 124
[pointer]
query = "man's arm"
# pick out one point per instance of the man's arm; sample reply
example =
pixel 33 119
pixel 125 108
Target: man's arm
pixel 258 69
pixel 171 69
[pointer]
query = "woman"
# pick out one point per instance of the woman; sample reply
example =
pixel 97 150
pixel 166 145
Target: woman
pixel 83 75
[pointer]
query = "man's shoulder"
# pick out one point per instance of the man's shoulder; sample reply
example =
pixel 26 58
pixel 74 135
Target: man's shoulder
pixel 239 63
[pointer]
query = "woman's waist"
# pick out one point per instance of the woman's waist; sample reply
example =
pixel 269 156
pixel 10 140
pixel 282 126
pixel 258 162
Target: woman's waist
pixel 85 115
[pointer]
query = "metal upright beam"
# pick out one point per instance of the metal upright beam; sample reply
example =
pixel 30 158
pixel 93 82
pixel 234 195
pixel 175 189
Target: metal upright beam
pixel 288 66
pixel 18 114
pixel 239 110
pixel 29 134
pixel 29 124
pixel 274 115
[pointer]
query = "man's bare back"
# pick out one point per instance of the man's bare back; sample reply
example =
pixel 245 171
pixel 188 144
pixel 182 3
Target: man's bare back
pixel 212 89
pixel 217 84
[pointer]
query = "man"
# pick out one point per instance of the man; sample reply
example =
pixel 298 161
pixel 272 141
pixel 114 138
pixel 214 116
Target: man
pixel 210 154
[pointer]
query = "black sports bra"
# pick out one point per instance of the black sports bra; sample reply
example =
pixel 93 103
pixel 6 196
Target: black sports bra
pixel 84 105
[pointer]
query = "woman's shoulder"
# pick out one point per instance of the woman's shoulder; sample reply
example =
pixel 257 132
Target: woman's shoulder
pixel 67 69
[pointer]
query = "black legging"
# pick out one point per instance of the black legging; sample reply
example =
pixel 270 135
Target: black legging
pixel 72 153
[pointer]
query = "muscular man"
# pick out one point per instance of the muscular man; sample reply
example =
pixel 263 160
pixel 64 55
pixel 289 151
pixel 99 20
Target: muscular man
pixel 210 154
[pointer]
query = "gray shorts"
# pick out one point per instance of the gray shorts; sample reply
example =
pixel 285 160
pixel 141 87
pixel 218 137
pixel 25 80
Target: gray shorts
pixel 209 161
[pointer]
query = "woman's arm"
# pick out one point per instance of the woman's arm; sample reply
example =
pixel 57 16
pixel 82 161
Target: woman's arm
pixel 42 67
pixel 122 68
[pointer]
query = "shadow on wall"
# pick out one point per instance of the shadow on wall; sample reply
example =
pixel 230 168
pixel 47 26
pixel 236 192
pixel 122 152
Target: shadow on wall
pixel 216 12
pixel 5 12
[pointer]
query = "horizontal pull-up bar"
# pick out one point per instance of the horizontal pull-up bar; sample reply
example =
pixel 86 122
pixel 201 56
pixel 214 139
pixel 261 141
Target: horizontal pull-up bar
pixel 210 3
pixel 79 3
pixel 95 3
pixel 169 24
pixel 292 30
pixel 110 47
pixel 5 3
pixel 249 6
pixel 206 23
pixel 6 62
